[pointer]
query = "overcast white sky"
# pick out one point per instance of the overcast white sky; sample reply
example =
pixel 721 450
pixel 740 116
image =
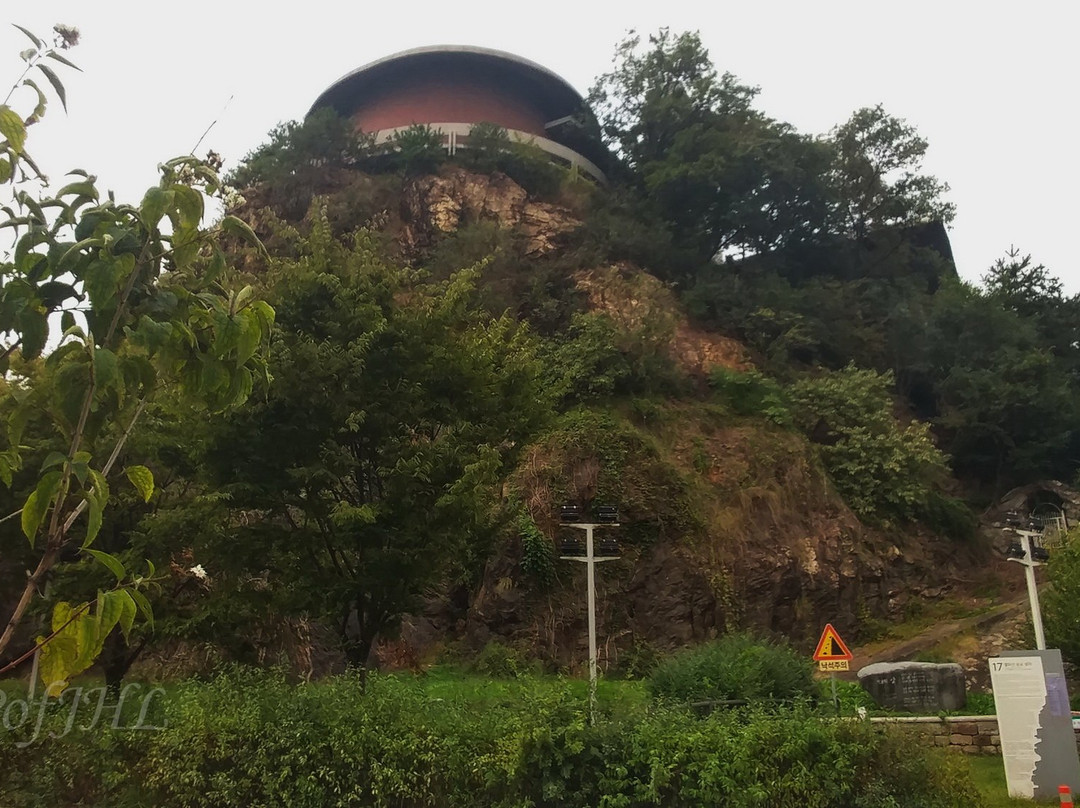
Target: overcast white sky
pixel 994 87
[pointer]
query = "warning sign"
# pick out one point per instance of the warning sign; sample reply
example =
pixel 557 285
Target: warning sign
pixel 831 650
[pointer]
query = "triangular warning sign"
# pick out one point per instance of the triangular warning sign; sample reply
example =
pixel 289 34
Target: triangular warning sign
pixel 830 646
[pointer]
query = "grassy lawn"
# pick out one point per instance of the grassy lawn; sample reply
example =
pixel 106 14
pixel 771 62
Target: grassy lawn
pixel 989 775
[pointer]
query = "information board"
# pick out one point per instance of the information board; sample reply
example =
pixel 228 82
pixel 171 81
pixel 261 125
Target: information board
pixel 1038 746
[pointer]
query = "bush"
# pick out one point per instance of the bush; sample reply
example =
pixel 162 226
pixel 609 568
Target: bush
pixel 418 149
pixel 492 149
pixel 751 392
pixel 1060 599
pixel 881 468
pixel 254 740
pixel 499 661
pixel 737 667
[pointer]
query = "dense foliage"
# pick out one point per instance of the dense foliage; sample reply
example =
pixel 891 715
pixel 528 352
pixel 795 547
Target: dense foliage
pixel 1059 600
pixel 256 740
pixel 104 307
pixel 737 667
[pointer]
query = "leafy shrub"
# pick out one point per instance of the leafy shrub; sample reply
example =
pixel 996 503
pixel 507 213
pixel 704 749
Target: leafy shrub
pixel 499 661
pixel 253 739
pixel 750 392
pixel 492 149
pixel 537 559
pixel 881 468
pixel 980 704
pixel 950 516
pixel 736 667
pixel 296 161
pixel 418 149
pixel 1060 599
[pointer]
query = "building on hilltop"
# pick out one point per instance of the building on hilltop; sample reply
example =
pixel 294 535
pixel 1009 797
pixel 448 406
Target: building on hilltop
pixel 451 88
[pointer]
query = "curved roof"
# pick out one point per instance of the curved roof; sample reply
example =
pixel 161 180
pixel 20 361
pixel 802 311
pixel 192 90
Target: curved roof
pixel 552 94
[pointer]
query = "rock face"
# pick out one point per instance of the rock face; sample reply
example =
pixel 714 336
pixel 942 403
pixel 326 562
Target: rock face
pixel 439 204
pixel 642 304
pixel 917 687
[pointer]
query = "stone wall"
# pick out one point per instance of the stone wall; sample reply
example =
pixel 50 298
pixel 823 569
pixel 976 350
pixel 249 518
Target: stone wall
pixel 972 734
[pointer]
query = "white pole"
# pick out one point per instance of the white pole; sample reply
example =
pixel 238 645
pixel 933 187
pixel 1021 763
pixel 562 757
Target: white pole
pixel 590 561
pixel 1033 593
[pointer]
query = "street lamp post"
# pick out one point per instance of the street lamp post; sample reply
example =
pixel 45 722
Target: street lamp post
pixel 609 518
pixel 1031 556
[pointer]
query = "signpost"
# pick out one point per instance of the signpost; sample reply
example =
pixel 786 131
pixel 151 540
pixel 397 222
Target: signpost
pixel 832 655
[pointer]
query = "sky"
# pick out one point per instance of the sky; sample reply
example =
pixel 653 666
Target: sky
pixel 992 86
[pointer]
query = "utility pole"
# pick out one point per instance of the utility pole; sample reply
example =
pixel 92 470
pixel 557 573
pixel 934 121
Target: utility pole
pixel 1025 553
pixel 590 559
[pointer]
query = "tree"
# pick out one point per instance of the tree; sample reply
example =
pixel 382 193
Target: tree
pixel 875 176
pixel 1031 291
pixel 1003 403
pixel 133 301
pixel 724 175
pixel 371 468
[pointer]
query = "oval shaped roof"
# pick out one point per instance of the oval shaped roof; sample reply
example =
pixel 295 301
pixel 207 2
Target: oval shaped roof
pixel 552 94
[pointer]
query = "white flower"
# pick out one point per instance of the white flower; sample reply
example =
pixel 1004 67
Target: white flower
pixel 199 572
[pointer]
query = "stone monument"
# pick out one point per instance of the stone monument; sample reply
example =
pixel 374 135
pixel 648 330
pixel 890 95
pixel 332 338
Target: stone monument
pixel 915 687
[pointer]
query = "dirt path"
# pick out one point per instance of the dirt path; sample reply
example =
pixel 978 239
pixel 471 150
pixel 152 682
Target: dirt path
pixel 899 650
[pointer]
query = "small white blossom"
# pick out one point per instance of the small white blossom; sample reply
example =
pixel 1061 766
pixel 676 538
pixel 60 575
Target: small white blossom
pixel 199 572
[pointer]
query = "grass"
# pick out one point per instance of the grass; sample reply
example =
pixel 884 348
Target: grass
pixel 620 696
pixel 988 773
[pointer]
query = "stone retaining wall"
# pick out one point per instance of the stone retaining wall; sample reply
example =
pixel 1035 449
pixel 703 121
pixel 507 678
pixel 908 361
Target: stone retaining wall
pixel 972 734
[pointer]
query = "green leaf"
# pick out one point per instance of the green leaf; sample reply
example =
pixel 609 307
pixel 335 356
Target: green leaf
pixel 93 524
pixel 238 227
pixel 37 42
pixel 53 459
pixel 110 611
pixel 143 604
pixel 37 504
pixel 189 204
pixel 5 170
pixel 80 188
pixel 105 367
pixel 57 85
pixel 250 336
pixel 100 486
pixel 17 423
pixel 64 61
pixel 112 563
pixel 155 202
pixel 127 612
pixel 43 100
pixel 34 327
pixel 143 479
pixel 12 128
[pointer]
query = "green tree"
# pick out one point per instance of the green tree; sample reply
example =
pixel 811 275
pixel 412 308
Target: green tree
pixel 132 300
pixel 371 469
pixel 876 176
pixel 882 468
pixel 724 175
pixel 297 160
pixel 1002 402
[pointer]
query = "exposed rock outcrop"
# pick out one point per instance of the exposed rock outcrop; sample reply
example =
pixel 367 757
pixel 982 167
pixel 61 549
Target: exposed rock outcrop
pixel 439 204
pixel 641 303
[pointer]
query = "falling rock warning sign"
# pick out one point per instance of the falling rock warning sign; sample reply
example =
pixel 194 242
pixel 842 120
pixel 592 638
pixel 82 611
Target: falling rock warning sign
pixel 832 654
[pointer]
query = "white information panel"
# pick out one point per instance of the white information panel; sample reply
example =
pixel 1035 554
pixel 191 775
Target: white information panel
pixel 1034 722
